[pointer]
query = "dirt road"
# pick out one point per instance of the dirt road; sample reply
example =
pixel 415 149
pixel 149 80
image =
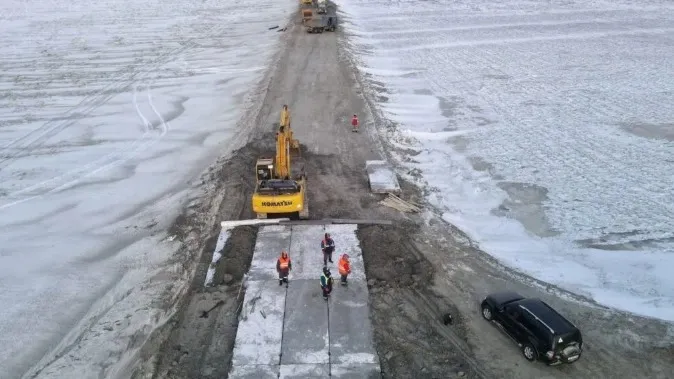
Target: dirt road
pixel 417 269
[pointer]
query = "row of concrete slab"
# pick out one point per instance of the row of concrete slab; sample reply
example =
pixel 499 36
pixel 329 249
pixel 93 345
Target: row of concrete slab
pixel 293 332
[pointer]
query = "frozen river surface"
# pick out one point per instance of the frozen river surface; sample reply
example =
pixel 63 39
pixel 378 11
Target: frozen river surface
pixel 543 129
pixel 108 111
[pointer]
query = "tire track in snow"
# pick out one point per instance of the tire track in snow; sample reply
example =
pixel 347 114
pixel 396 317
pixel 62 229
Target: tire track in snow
pixel 35 138
pixel 73 177
pixel 509 41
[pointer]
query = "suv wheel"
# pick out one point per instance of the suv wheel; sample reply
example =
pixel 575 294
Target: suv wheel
pixel 487 312
pixel 529 352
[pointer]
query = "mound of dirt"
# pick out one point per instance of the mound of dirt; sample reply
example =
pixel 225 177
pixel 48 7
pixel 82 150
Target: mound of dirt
pixel 407 315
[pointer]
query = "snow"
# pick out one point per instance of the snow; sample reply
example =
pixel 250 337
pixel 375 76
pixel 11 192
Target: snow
pixel 542 129
pixel 109 111
pixel 219 245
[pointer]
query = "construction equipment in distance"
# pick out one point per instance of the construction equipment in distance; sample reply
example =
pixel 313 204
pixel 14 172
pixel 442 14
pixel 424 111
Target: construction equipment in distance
pixel 319 18
pixel 278 190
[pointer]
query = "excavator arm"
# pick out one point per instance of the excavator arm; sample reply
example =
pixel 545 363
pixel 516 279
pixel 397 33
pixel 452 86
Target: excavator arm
pixel 284 124
pixel 282 162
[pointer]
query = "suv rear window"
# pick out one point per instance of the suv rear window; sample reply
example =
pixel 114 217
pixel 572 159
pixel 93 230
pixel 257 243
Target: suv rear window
pixel 535 326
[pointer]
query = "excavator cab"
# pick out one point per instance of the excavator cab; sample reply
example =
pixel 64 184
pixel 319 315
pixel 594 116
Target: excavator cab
pixel 264 169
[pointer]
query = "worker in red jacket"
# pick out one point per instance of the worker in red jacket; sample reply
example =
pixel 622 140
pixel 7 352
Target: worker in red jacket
pixel 283 267
pixel 354 123
pixel 344 267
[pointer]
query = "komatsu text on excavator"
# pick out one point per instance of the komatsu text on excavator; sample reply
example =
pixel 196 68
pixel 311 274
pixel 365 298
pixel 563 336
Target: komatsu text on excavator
pixel 279 191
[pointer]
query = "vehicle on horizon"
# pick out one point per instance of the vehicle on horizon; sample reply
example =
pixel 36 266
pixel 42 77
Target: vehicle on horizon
pixel 540 331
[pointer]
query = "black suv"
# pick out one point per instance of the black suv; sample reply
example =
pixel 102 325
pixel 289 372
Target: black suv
pixel 539 330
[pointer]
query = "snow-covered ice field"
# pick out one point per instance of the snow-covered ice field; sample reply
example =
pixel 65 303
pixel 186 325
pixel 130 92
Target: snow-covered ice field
pixel 108 110
pixel 544 129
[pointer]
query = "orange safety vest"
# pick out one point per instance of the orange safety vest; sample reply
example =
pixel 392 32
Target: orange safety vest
pixel 343 266
pixel 283 262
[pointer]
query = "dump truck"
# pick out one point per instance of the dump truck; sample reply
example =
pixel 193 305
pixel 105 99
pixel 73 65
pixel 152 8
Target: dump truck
pixel 319 23
pixel 280 190
pixel 319 18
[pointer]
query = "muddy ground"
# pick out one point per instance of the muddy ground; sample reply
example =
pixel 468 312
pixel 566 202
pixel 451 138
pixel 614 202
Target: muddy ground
pixel 417 269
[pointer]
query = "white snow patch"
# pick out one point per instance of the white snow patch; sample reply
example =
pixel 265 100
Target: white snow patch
pixel 220 244
pixel 355 358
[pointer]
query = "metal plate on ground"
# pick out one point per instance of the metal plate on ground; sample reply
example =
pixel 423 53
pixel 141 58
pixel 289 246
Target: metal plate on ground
pixel 382 178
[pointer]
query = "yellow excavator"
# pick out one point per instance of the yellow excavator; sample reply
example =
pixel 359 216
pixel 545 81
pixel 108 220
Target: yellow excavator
pixel 278 190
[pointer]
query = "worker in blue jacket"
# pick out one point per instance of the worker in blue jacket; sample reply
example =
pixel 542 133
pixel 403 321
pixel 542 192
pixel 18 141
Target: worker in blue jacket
pixel 326 283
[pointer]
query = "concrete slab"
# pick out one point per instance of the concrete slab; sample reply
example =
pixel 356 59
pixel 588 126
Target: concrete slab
pixel 271 239
pixel 350 328
pixel 301 371
pixel 347 242
pixel 235 223
pixel 355 371
pixel 381 176
pixel 258 338
pixel 293 332
pixel 305 332
pixel 305 251
pixel 254 372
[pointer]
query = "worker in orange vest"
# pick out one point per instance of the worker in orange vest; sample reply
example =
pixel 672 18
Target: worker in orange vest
pixel 283 267
pixel 344 267
pixel 354 123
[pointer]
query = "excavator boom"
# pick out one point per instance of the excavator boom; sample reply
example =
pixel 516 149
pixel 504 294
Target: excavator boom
pixel 282 163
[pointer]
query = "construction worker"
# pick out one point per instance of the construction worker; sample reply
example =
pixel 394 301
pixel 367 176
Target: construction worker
pixel 344 267
pixel 283 267
pixel 327 246
pixel 354 123
pixel 326 283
